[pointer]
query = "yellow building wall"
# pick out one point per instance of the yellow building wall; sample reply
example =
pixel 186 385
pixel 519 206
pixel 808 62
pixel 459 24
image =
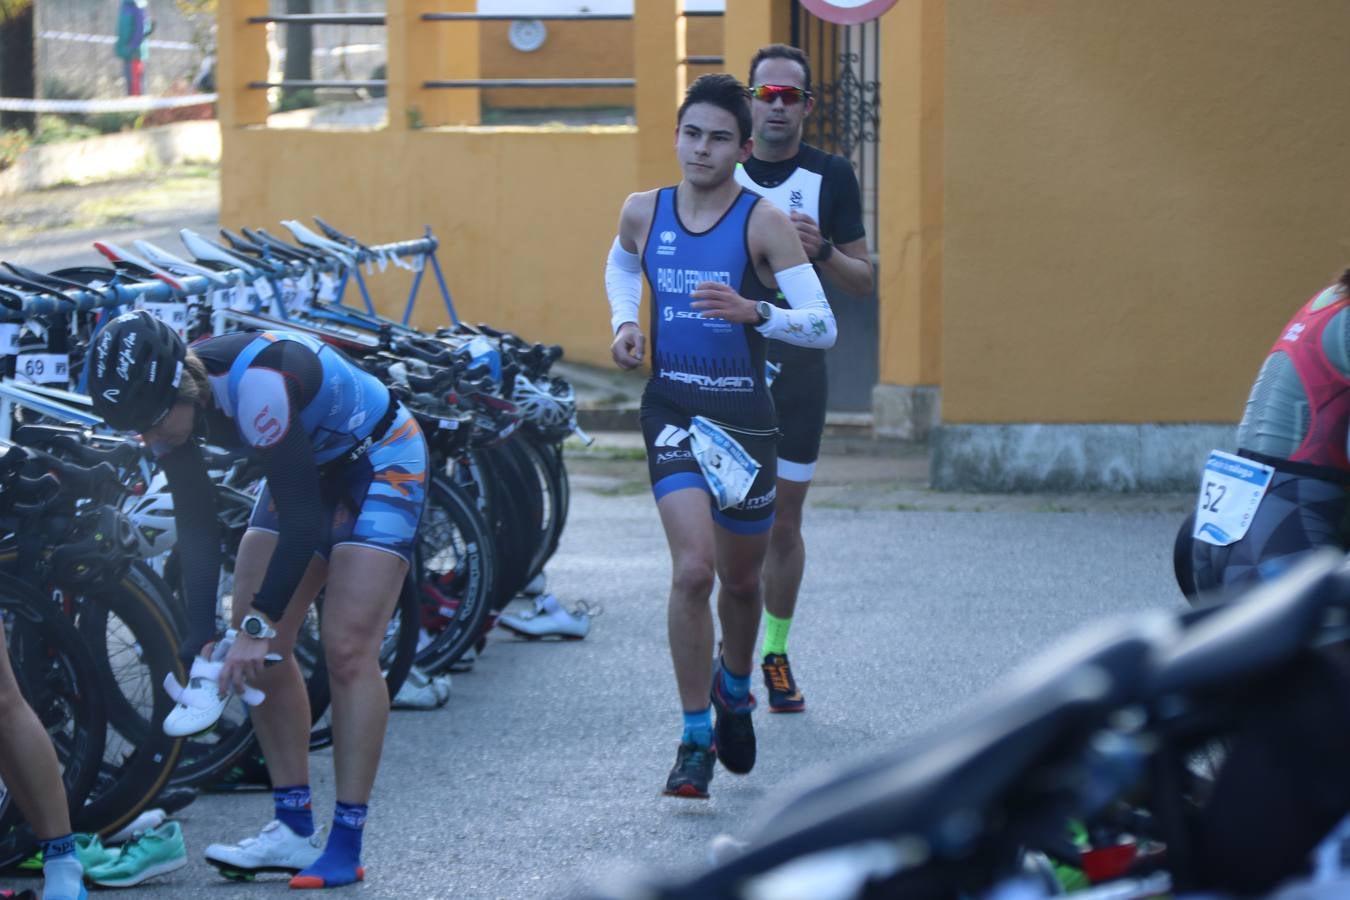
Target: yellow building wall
pixel 909 197
pixel 524 219
pixel 579 50
pixel 1137 196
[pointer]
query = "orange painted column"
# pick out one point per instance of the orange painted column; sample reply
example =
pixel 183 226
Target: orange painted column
pixel 421 51
pixel 241 57
pixel 658 92
pixel 749 25
pixel 910 223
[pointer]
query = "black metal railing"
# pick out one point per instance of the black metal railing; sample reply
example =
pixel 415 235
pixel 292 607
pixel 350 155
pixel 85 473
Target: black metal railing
pixel 379 19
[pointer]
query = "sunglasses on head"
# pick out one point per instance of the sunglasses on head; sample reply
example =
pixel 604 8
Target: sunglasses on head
pixel 786 92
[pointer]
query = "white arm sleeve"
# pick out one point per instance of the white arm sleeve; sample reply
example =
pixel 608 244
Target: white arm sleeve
pixel 810 321
pixel 623 285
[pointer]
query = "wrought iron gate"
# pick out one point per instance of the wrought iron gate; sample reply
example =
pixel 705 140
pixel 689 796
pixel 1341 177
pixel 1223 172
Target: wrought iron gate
pixel 846 68
pixel 846 71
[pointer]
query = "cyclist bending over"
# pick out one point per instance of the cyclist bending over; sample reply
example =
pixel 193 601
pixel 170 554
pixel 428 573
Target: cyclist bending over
pixel 345 468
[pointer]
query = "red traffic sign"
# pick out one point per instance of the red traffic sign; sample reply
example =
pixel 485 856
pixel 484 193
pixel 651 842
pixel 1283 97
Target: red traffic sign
pixel 848 12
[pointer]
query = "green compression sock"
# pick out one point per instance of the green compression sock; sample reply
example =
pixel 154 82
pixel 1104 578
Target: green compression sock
pixel 775 634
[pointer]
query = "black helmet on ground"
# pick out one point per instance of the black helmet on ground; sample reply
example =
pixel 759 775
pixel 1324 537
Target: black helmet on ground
pixel 134 367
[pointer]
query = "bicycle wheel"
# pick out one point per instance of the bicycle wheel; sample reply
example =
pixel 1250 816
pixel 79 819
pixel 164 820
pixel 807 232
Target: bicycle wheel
pixel 539 472
pixel 131 632
pixel 57 675
pixel 557 464
pixel 212 757
pixel 512 532
pixel 455 565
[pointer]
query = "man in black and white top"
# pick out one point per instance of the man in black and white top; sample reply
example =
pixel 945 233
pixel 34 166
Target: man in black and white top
pixel 819 191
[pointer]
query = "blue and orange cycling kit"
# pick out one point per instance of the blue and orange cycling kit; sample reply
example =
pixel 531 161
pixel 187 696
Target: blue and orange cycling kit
pixel 344 464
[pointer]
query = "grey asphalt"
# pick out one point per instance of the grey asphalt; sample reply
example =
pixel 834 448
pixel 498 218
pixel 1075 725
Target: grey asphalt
pixel 543 772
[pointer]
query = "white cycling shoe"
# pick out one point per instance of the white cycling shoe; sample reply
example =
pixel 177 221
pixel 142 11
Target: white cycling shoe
pixel 549 619
pixel 422 691
pixel 199 702
pixel 275 849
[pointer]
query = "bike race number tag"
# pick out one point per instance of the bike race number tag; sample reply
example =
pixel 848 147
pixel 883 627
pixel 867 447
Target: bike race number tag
pixel 729 470
pixel 328 287
pixel 9 337
pixel 174 315
pixel 42 368
pixel 1231 489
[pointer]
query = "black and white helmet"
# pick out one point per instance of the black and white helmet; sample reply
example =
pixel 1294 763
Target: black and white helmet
pixel 134 368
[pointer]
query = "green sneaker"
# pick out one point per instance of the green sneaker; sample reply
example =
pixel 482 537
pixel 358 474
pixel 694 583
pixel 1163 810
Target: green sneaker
pixel 91 853
pixel 155 852
pixel 89 850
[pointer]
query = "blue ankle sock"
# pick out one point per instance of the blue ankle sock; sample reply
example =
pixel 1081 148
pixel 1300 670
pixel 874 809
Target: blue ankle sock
pixel 293 808
pixel 698 727
pixel 57 847
pixel 341 860
pixel 736 687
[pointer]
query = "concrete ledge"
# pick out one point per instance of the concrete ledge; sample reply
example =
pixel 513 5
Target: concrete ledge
pixel 1011 458
pixel 905 412
pixel 111 155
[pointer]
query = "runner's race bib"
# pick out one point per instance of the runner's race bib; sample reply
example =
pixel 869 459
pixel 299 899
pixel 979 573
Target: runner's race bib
pixel 9 338
pixel 328 287
pixel 729 470
pixel 1231 489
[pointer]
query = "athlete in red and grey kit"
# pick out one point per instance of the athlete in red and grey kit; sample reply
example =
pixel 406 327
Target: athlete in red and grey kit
pixel 708 249
pixel 1297 421
pixel 820 193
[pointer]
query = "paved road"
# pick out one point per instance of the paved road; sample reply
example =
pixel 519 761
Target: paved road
pixel 544 770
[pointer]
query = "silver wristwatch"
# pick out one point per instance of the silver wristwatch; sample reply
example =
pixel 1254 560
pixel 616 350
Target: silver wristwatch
pixel 256 626
pixel 765 310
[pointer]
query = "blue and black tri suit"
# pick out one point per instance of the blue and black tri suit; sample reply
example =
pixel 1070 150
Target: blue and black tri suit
pixel 344 463
pixel 702 366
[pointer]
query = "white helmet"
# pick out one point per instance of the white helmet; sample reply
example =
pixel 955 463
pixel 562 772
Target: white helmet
pixel 549 406
pixel 152 515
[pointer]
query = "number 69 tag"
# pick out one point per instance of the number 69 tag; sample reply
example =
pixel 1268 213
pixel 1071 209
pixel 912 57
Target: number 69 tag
pixel 1231 490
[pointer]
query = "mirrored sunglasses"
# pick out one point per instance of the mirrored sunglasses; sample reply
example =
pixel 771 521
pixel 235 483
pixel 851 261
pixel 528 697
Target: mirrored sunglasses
pixel 786 92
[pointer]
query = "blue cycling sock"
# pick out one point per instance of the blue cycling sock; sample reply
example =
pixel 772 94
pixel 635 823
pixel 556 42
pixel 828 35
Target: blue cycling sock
pixel 698 727
pixel 341 860
pixel 57 847
pixel 294 808
pixel 735 687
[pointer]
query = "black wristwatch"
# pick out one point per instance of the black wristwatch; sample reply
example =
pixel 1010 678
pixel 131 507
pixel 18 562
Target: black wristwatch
pixel 256 626
pixel 763 309
pixel 826 249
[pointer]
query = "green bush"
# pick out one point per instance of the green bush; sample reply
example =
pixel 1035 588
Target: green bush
pixel 297 98
pixel 56 129
pixel 113 122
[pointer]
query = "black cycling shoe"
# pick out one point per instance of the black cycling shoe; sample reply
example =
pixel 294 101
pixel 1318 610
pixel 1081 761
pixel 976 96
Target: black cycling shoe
pixel 784 695
pixel 734 732
pixel 693 770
